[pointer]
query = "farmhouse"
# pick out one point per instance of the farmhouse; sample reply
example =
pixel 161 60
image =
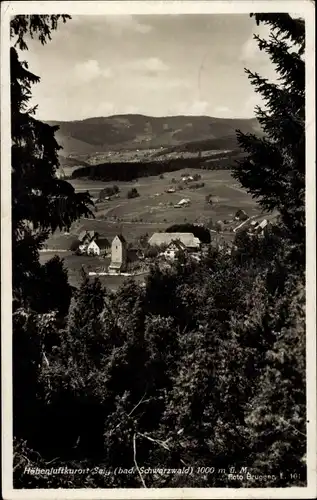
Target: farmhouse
pixel 96 247
pixel 257 228
pixel 187 239
pixel 173 248
pixel 90 242
pixel 261 227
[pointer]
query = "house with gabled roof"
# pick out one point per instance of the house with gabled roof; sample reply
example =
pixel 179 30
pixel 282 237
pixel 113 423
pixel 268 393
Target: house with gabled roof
pixel 173 249
pixel 261 227
pixel 187 239
pixel 98 246
pixel 90 242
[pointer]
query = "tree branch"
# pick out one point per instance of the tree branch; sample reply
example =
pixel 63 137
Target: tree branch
pixel 161 443
pixel 141 401
pixel 135 462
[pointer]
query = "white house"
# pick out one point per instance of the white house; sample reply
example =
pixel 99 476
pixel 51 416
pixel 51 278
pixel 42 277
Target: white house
pixel 262 226
pixel 97 246
pixel 90 242
pixel 184 202
pixel 93 248
pixel 84 238
pixel 172 249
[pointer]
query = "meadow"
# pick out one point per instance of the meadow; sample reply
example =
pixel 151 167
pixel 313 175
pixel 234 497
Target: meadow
pixel 154 205
pixel 152 211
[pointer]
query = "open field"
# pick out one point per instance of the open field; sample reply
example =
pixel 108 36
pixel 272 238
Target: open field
pixel 74 265
pixel 131 231
pixel 156 206
pixel 152 211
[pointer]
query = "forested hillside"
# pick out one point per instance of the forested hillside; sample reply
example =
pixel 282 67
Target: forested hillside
pixel 138 131
pixel 126 171
pixel 204 366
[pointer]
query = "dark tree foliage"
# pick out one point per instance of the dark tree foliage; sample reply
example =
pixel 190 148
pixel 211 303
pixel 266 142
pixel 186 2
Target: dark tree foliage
pixel 108 191
pixel 133 193
pixel 41 202
pixel 195 360
pixel 128 171
pixel 274 169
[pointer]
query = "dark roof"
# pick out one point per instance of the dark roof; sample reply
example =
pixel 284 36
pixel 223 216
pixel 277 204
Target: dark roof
pixel 87 234
pixel 75 245
pixel 121 238
pixel 103 243
pixel 177 243
pixel 240 212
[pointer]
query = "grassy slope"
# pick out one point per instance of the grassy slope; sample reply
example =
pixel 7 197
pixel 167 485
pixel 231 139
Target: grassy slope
pixel 124 215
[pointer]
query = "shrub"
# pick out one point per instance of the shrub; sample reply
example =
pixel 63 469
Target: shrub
pixel 151 252
pixel 108 191
pixel 219 226
pixel 197 177
pixel 133 193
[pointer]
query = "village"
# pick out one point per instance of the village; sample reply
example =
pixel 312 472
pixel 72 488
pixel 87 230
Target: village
pixel 156 219
pixel 128 259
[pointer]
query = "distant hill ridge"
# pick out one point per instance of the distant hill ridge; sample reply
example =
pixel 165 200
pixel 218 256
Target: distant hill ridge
pixel 134 131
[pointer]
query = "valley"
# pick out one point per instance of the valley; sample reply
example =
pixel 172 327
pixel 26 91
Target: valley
pixel 152 157
pixel 154 210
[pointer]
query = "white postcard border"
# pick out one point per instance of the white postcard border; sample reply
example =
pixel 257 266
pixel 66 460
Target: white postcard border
pixel 306 9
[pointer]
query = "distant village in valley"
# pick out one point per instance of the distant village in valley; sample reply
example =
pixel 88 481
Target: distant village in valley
pixel 164 248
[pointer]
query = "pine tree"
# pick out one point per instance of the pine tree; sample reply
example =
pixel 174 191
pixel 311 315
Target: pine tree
pixel 276 415
pixel 85 333
pixel 274 168
pixel 41 202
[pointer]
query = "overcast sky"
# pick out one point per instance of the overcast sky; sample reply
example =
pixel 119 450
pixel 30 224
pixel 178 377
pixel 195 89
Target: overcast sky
pixel 155 65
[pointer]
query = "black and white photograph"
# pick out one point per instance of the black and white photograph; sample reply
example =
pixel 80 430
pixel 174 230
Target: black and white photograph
pixel 158 249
